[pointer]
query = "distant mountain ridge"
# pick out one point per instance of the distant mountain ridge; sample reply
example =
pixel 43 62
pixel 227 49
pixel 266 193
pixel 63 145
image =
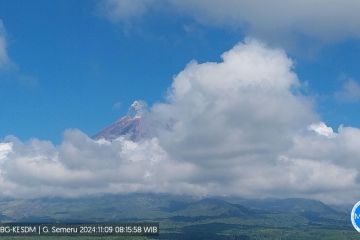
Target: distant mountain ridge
pixel 157 205
pixel 294 205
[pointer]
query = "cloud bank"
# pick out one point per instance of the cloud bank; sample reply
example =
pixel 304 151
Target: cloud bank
pixel 235 127
pixel 272 20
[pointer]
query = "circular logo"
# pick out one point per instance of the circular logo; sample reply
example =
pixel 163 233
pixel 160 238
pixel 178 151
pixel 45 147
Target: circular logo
pixel 355 216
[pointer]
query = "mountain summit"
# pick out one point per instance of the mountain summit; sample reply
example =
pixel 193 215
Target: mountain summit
pixel 131 125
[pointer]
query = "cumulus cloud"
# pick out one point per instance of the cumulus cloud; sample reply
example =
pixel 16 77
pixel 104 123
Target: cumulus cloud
pixel 81 165
pixel 235 127
pixel 328 21
pixel 321 129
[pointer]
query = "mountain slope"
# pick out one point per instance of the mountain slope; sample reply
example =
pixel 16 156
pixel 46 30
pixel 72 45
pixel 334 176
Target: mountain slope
pixel 132 125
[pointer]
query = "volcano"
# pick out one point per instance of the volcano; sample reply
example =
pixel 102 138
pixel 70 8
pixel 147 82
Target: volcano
pixel 131 126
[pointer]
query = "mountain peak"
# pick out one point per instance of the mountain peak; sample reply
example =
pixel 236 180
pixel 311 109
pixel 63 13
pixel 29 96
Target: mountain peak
pixel 131 125
pixel 137 108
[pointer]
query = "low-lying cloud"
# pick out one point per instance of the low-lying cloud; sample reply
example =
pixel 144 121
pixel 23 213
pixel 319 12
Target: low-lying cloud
pixel 236 127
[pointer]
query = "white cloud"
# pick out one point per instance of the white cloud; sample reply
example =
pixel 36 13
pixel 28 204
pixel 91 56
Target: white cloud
pixel 273 20
pixel 237 127
pixel 5 61
pixel 124 10
pixel 350 92
pixel 5 149
pixel 321 129
pixel 81 165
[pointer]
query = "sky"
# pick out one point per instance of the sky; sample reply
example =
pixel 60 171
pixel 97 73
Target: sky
pixel 230 76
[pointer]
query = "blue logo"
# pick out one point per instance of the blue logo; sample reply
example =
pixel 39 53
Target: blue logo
pixel 355 216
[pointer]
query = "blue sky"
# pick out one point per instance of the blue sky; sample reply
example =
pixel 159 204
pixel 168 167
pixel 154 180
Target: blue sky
pixel 71 65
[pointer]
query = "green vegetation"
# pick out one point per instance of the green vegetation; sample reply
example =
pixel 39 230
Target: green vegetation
pixel 191 218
